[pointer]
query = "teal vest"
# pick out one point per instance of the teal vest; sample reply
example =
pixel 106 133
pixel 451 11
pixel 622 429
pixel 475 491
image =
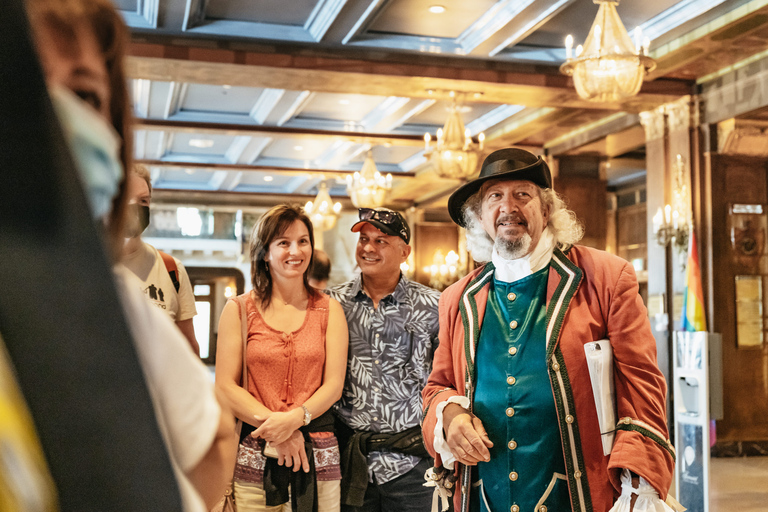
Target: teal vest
pixel 513 398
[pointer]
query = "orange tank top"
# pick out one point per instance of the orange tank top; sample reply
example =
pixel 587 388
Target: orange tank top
pixel 286 368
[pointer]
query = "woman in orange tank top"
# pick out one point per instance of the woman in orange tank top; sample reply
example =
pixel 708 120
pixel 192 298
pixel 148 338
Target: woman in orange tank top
pixel 296 356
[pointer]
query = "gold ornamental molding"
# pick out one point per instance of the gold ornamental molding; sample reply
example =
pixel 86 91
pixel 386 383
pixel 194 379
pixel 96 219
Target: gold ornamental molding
pixel 653 123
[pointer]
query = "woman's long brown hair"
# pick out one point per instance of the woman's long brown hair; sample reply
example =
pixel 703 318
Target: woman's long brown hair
pixel 270 226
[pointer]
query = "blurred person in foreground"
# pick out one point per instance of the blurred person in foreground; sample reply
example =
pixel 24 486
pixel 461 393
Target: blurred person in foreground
pixel 393 327
pixel 320 271
pixel 165 281
pixel 296 359
pixel 510 398
pixel 81 44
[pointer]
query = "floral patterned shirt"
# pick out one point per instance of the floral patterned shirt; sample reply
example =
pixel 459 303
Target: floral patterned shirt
pixel 390 359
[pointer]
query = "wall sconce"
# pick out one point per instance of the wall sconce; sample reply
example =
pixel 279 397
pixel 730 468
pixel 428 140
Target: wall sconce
pixel 444 271
pixel 673 225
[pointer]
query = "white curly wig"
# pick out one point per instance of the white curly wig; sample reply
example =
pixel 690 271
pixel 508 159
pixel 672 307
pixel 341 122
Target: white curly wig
pixel 563 224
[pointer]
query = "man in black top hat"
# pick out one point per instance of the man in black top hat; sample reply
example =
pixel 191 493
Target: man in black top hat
pixel 393 329
pixel 510 397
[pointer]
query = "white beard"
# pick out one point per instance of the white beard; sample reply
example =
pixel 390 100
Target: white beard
pixel 513 249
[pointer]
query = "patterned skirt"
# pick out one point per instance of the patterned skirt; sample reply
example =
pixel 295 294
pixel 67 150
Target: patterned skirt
pixel 250 460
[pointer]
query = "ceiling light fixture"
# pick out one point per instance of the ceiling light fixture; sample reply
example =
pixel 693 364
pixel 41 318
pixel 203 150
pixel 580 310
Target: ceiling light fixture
pixel 201 143
pixel 436 9
pixel 455 154
pixel 323 211
pixel 298 148
pixel 368 188
pixel 609 67
pixel 268 178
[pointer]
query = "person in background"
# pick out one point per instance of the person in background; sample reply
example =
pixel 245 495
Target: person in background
pixel 164 279
pixel 393 328
pixel 296 358
pixel 320 270
pixel 81 45
pixel 510 398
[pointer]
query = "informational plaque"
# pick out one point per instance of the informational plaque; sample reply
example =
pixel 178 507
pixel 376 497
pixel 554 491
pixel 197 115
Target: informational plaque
pixel 749 311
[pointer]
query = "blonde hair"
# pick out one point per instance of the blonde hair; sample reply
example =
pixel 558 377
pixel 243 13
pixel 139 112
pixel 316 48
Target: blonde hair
pixel 142 172
pixel 562 223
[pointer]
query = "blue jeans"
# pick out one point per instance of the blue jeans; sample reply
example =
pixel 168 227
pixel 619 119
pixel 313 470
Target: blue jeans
pixel 405 493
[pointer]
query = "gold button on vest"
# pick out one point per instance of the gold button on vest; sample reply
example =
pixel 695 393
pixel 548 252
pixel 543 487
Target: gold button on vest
pixel 513 324
pixel 512 351
pixel 511 380
pixel 510 412
pixel 512 445
pixel 513 476
pixel 511 296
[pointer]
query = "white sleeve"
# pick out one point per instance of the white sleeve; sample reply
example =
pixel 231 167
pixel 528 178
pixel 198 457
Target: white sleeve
pixel 647 498
pixel 181 390
pixel 440 444
pixel 186 294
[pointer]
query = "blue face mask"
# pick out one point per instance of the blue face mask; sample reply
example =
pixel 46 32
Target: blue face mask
pixel 95 147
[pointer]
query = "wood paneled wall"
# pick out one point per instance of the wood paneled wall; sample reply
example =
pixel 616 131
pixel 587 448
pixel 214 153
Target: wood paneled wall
pixel 745 371
pixel 587 197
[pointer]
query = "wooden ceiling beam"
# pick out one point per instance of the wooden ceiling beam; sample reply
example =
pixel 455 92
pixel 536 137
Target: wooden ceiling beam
pixel 423 76
pixel 248 199
pixel 271 131
pixel 254 168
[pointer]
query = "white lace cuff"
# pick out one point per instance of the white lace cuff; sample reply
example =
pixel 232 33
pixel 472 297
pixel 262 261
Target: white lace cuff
pixel 440 444
pixel 647 498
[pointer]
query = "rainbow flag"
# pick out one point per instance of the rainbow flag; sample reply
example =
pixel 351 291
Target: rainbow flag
pixel 693 301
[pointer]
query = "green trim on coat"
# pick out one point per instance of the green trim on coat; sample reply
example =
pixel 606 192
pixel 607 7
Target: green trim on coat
pixel 568 449
pixel 557 308
pixel 631 427
pixel 474 328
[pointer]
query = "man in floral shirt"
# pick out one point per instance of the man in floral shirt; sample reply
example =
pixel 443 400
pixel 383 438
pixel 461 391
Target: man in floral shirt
pixel 393 328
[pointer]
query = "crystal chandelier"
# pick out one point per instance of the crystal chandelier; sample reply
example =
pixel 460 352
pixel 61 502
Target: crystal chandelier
pixel 455 154
pixel 609 67
pixel 323 211
pixel 368 188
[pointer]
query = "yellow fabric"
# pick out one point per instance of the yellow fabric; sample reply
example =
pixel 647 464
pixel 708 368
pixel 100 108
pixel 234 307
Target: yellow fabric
pixel 25 483
pixel 250 498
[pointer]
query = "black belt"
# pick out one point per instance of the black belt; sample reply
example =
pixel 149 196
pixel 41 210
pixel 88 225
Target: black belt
pixel 355 447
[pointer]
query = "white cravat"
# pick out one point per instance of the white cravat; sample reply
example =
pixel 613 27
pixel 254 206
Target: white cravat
pixel 509 271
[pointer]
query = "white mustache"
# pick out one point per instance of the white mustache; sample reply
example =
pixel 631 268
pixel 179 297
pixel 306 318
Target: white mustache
pixel 517 219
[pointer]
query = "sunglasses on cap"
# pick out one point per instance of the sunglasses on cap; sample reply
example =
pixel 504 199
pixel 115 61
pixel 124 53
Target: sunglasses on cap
pixel 392 221
pixel 385 216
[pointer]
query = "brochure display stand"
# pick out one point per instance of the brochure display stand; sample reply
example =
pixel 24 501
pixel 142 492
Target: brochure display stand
pixel 691 388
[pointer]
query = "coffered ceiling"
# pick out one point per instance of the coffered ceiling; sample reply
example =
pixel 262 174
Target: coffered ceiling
pixel 256 101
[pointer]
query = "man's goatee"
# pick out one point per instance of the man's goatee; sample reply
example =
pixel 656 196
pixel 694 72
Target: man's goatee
pixel 513 249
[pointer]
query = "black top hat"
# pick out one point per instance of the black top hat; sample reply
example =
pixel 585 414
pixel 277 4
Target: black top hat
pixel 508 163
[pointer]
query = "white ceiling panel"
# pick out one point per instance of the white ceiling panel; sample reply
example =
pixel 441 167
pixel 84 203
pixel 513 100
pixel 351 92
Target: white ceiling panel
pixel 200 144
pixel 186 179
pixel 217 98
pixel 296 12
pixel 265 180
pixel 386 155
pixel 340 107
pixel 438 113
pixel 301 150
pixel 413 17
